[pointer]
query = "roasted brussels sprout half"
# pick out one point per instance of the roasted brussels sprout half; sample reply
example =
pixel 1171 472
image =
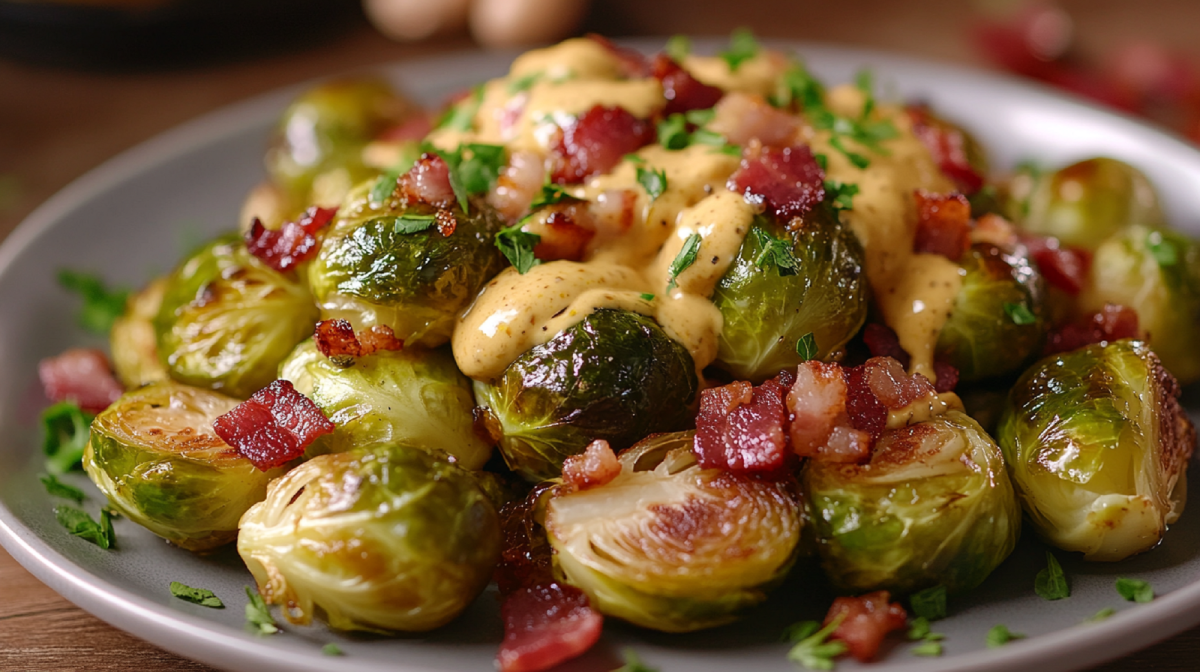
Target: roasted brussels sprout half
pixel 1098 448
pixel 997 322
pixel 378 267
pixel 227 320
pixel 154 454
pixel 615 375
pixel 768 306
pixel 933 506
pixel 316 152
pixel 388 538
pixel 412 397
pixel 1157 273
pixel 1084 203
pixel 673 547
pixel 134 351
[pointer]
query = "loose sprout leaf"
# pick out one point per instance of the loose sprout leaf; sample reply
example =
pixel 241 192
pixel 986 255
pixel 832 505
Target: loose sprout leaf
pixel 409 223
pixel 258 616
pixel 1101 615
pixel 646 296
pixel 1164 250
pixel 101 305
pixel 517 246
pixel 57 488
pixel 1051 582
pixel 775 252
pixel 1019 313
pixel 106 518
pixel 1000 635
pixel 461 116
pixel 1135 590
pixel 80 524
pixel 523 83
pixel 551 194
pixel 384 187
pixel 653 181
pixel 200 596
pixel 672 132
pixel 806 346
pixel 685 258
pixel 928 648
pixel 840 194
pixel 742 47
pixel 919 628
pixel 633 663
pixel 799 631
pixel 814 652
pixel 332 650
pixel 678 47
pixel 929 603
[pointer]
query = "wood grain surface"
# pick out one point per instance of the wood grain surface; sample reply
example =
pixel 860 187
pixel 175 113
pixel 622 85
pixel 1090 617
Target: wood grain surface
pixel 56 124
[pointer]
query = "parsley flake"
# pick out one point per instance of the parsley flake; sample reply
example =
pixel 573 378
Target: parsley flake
pixel 1101 615
pixel 517 246
pixel 384 187
pixel 928 648
pixel 700 117
pixel 101 305
pixel 1135 590
pixel 479 166
pixel 685 258
pixel 798 88
pixel 646 296
pixel 865 81
pixel 57 488
pixel 65 432
pixel 859 161
pixel 1000 635
pixel 1164 250
pixel 653 181
pixel 633 663
pixel 200 596
pixel 672 132
pixel 80 524
pixel 929 603
pixel 551 194
pixel 258 616
pixel 812 650
pixel 332 650
pixel 806 347
pixel 678 47
pixel 411 223
pixel 774 252
pixel 523 83
pixel 461 115
pixel 920 629
pixel 1019 313
pixel 840 195
pixel 742 47
pixel 1051 582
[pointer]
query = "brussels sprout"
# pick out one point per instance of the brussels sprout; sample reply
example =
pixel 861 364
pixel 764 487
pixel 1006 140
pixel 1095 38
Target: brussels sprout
pixel 1157 273
pixel 154 454
pixel 383 539
pixel 1098 448
pixel 378 267
pixel 413 397
pixel 1084 203
pixel 316 151
pixel 615 375
pixel 768 307
pixel 673 547
pixel 134 351
pixel 933 506
pixel 228 320
pixel 997 321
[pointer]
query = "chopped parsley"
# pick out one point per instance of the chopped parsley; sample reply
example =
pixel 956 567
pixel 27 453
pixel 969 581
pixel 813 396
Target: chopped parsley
pixel 473 168
pixel 101 305
pixel 80 524
pixel 410 223
pixel 65 431
pixel 653 181
pixel 812 650
pixel 678 47
pixel 633 663
pixel 461 115
pixel 200 596
pixel 384 187
pixel 797 86
pixel 646 296
pixel 1101 615
pixel 517 246
pixel 1135 590
pixel 859 161
pixel 929 603
pixel 551 194
pixel 806 347
pixel 865 81
pixel 673 132
pixel 258 616
pixel 57 488
pixel 1019 313
pixel 332 650
pixel 840 195
pixel 700 117
pixel 775 252
pixel 800 89
pixel 1000 635
pixel 685 258
pixel 930 640
pixel 928 648
pixel 742 47
pixel 1164 250
pixel 1051 582
pixel 523 83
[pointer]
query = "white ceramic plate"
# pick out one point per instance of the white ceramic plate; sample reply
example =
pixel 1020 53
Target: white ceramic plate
pixel 135 215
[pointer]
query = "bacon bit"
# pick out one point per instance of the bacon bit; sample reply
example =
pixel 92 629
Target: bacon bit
pixel 517 184
pixel 943 224
pixel 1111 323
pixel 596 141
pixel 995 230
pixel 867 414
pixel 883 342
pixel 336 338
pixel 428 181
pixel 682 91
pixel 274 426
pixel 866 620
pixel 544 625
pixel 787 181
pixel 593 468
pixel 82 376
pixel 947 377
pixel 446 222
pixel 564 235
pixel 415 127
pixel 1063 267
pixel 742 428
pixel 632 63
pixel 294 242
pixel 891 385
pixel 820 427
pixel 947 146
pixel 743 117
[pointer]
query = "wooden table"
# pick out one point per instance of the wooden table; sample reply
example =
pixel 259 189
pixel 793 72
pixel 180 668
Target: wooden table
pixel 56 124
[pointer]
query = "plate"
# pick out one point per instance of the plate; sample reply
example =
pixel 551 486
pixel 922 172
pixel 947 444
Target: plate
pixel 136 214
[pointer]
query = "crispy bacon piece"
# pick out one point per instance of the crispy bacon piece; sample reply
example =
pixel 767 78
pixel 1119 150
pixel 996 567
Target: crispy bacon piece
pixel 596 141
pixel 1063 267
pixel 743 428
pixel 428 181
pixel 82 376
pixel 947 377
pixel 943 224
pixel 274 426
pixel 593 468
pixel 1111 323
pixel 787 181
pixel 682 91
pixel 336 338
pixel 517 184
pixel 544 625
pixel 947 146
pixel 293 243
pixel 631 62
pixel 820 427
pixel 565 234
pixel 866 620
pixel 888 382
pixel 995 230
pixel 415 127
pixel 883 342
pixel 742 117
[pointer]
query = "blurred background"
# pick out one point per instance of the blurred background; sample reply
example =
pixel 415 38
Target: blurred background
pixel 83 80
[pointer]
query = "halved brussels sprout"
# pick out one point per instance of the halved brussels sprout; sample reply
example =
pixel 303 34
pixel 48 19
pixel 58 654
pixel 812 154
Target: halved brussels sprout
pixel 388 538
pixel 1157 273
pixel 673 547
pixel 412 397
pixel 997 322
pixel 766 312
pixel 154 454
pixel 615 375
pixel 227 320
pixel 1084 203
pixel 134 351
pixel 933 506
pixel 375 269
pixel 1098 448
